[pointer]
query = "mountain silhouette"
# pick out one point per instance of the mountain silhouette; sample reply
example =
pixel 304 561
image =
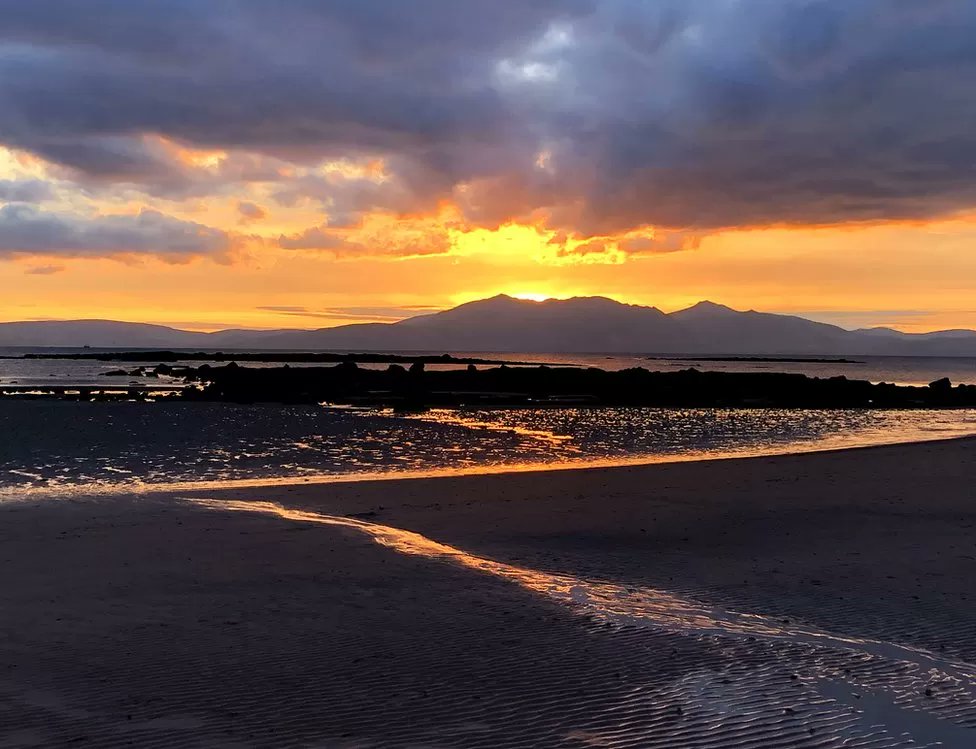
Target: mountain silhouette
pixel 505 324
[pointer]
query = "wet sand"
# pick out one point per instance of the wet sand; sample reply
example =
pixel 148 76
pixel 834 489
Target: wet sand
pixel 818 600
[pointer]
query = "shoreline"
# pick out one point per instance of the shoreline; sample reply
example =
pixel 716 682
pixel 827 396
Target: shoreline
pixel 12 494
pixel 289 482
pixel 815 599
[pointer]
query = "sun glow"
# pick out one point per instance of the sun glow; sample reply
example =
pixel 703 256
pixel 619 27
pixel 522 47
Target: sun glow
pixel 531 296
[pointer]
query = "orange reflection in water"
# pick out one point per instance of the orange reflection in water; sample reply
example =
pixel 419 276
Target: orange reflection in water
pixel 607 600
pixel 453 417
pixel 614 604
pixel 883 693
pixel 821 444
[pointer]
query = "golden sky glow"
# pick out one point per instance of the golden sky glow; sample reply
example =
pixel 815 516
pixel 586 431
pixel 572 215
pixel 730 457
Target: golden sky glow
pixel 311 165
pixel 913 276
pixel 851 276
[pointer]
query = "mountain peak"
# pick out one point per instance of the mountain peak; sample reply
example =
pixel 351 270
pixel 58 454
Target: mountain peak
pixel 499 300
pixel 506 323
pixel 505 300
pixel 710 305
pixel 592 301
pixel 704 309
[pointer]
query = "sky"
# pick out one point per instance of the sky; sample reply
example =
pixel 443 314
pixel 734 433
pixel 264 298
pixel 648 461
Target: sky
pixel 302 163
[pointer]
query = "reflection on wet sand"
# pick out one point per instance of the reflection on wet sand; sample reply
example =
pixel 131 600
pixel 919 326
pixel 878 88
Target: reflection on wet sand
pixel 868 693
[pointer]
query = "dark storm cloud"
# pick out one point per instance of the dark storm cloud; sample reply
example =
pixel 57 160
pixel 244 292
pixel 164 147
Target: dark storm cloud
pixel 603 116
pixel 290 76
pixel 26 229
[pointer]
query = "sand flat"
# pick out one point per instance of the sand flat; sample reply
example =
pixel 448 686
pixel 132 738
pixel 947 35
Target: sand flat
pixel 798 601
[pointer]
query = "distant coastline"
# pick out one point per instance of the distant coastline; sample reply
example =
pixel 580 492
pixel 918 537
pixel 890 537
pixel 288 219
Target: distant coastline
pixel 283 357
pixel 506 324
pixel 772 359
pixel 417 388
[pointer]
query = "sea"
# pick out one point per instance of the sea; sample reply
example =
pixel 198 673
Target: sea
pixel 53 448
pixel 900 370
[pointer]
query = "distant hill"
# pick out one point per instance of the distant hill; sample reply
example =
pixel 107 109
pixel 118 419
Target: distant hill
pixel 504 324
pixel 100 333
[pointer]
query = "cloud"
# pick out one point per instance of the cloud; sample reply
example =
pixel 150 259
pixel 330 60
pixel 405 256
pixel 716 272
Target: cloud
pixel 288 309
pixel 44 270
pixel 350 190
pixel 386 314
pixel 381 235
pixel 24 191
pixel 314 238
pixel 382 313
pixel 250 211
pixel 660 242
pixel 25 229
pixel 873 318
pixel 599 119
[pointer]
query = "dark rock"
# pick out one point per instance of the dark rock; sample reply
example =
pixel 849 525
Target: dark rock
pixel 553 387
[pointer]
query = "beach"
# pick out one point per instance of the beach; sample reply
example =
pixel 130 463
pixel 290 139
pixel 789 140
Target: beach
pixel 813 600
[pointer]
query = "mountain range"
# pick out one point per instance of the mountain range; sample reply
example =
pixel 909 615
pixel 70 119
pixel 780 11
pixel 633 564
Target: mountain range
pixel 505 324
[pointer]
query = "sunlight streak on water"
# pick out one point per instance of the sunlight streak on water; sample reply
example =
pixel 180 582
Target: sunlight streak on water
pixel 614 603
pixel 58 448
pixel 895 681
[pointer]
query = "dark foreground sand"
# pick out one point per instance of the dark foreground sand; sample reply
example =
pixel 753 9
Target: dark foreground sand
pixel 821 600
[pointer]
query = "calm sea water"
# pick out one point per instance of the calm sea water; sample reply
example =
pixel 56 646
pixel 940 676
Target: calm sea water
pixel 50 447
pixel 57 447
pixel 917 370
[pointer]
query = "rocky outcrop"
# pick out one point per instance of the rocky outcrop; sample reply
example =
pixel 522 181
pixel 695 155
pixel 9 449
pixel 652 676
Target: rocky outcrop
pixel 418 387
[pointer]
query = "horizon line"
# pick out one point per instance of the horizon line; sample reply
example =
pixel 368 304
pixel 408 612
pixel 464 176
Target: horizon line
pixel 210 328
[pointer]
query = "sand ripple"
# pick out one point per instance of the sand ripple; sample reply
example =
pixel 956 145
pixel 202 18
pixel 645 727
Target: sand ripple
pixel 745 680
